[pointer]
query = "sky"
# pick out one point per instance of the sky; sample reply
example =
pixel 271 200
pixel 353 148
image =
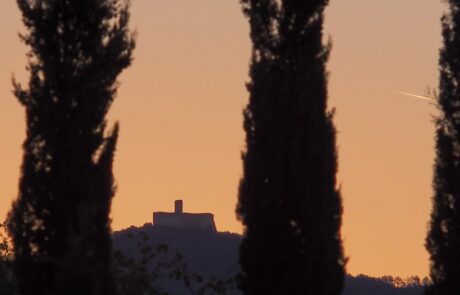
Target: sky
pixel 180 109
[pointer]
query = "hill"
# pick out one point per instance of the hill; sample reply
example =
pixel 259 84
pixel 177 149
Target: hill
pixel 211 255
pixel 214 256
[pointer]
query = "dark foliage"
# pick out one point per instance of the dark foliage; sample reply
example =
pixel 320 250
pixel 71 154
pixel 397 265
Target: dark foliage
pixel 165 261
pixel 288 199
pixel 60 221
pixel 7 282
pixel 443 240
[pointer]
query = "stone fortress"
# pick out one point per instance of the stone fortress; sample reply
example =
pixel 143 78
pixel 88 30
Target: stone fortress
pixel 181 220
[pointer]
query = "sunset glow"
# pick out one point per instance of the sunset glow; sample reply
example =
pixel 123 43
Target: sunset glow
pixel 180 110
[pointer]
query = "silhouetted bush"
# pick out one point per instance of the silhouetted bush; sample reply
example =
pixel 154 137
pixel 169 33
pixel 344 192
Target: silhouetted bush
pixel 7 282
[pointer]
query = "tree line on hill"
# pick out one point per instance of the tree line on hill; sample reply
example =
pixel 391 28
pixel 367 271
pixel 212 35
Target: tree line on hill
pixel 386 285
pixel 288 200
pixel 214 256
pixel 167 261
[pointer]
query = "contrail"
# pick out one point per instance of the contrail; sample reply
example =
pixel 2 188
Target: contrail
pixel 427 99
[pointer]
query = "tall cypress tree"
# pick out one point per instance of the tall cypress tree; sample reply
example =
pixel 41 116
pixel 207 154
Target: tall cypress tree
pixel 288 200
pixel 443 240
pixel 60 221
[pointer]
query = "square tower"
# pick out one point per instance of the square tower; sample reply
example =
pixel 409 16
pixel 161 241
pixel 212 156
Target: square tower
pixel 178 207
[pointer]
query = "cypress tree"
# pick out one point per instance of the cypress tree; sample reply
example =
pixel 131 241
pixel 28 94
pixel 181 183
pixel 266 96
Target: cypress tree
pixel 443 240
pixel 288 200
pixel 60 221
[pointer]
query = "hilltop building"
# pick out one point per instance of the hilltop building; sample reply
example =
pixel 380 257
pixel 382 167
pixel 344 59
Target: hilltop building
pixel 179 219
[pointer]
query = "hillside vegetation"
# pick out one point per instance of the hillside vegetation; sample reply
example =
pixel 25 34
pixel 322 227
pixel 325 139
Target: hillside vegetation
pixel 214 256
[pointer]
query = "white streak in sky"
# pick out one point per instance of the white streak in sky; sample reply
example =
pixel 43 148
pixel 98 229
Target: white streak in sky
pixel 427 99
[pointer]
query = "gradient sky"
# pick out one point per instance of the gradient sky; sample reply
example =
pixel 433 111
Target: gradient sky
pixel 180 108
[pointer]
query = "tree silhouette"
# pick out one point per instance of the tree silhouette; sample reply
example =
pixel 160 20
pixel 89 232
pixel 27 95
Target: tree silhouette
pixel 288 199
pixel 60 221
pixel 443 240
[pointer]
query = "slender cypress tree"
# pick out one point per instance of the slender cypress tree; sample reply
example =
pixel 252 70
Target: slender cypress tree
pixel 288 200
pixel 60 221
pixel 443 240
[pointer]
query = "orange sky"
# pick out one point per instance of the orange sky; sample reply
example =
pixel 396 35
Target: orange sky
pixel 180 110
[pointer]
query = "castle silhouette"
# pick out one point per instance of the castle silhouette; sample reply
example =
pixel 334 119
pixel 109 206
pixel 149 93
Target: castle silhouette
pixel 181 220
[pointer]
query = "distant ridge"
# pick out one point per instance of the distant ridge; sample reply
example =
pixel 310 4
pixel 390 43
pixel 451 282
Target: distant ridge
pixel 206 252
pixel 213 253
